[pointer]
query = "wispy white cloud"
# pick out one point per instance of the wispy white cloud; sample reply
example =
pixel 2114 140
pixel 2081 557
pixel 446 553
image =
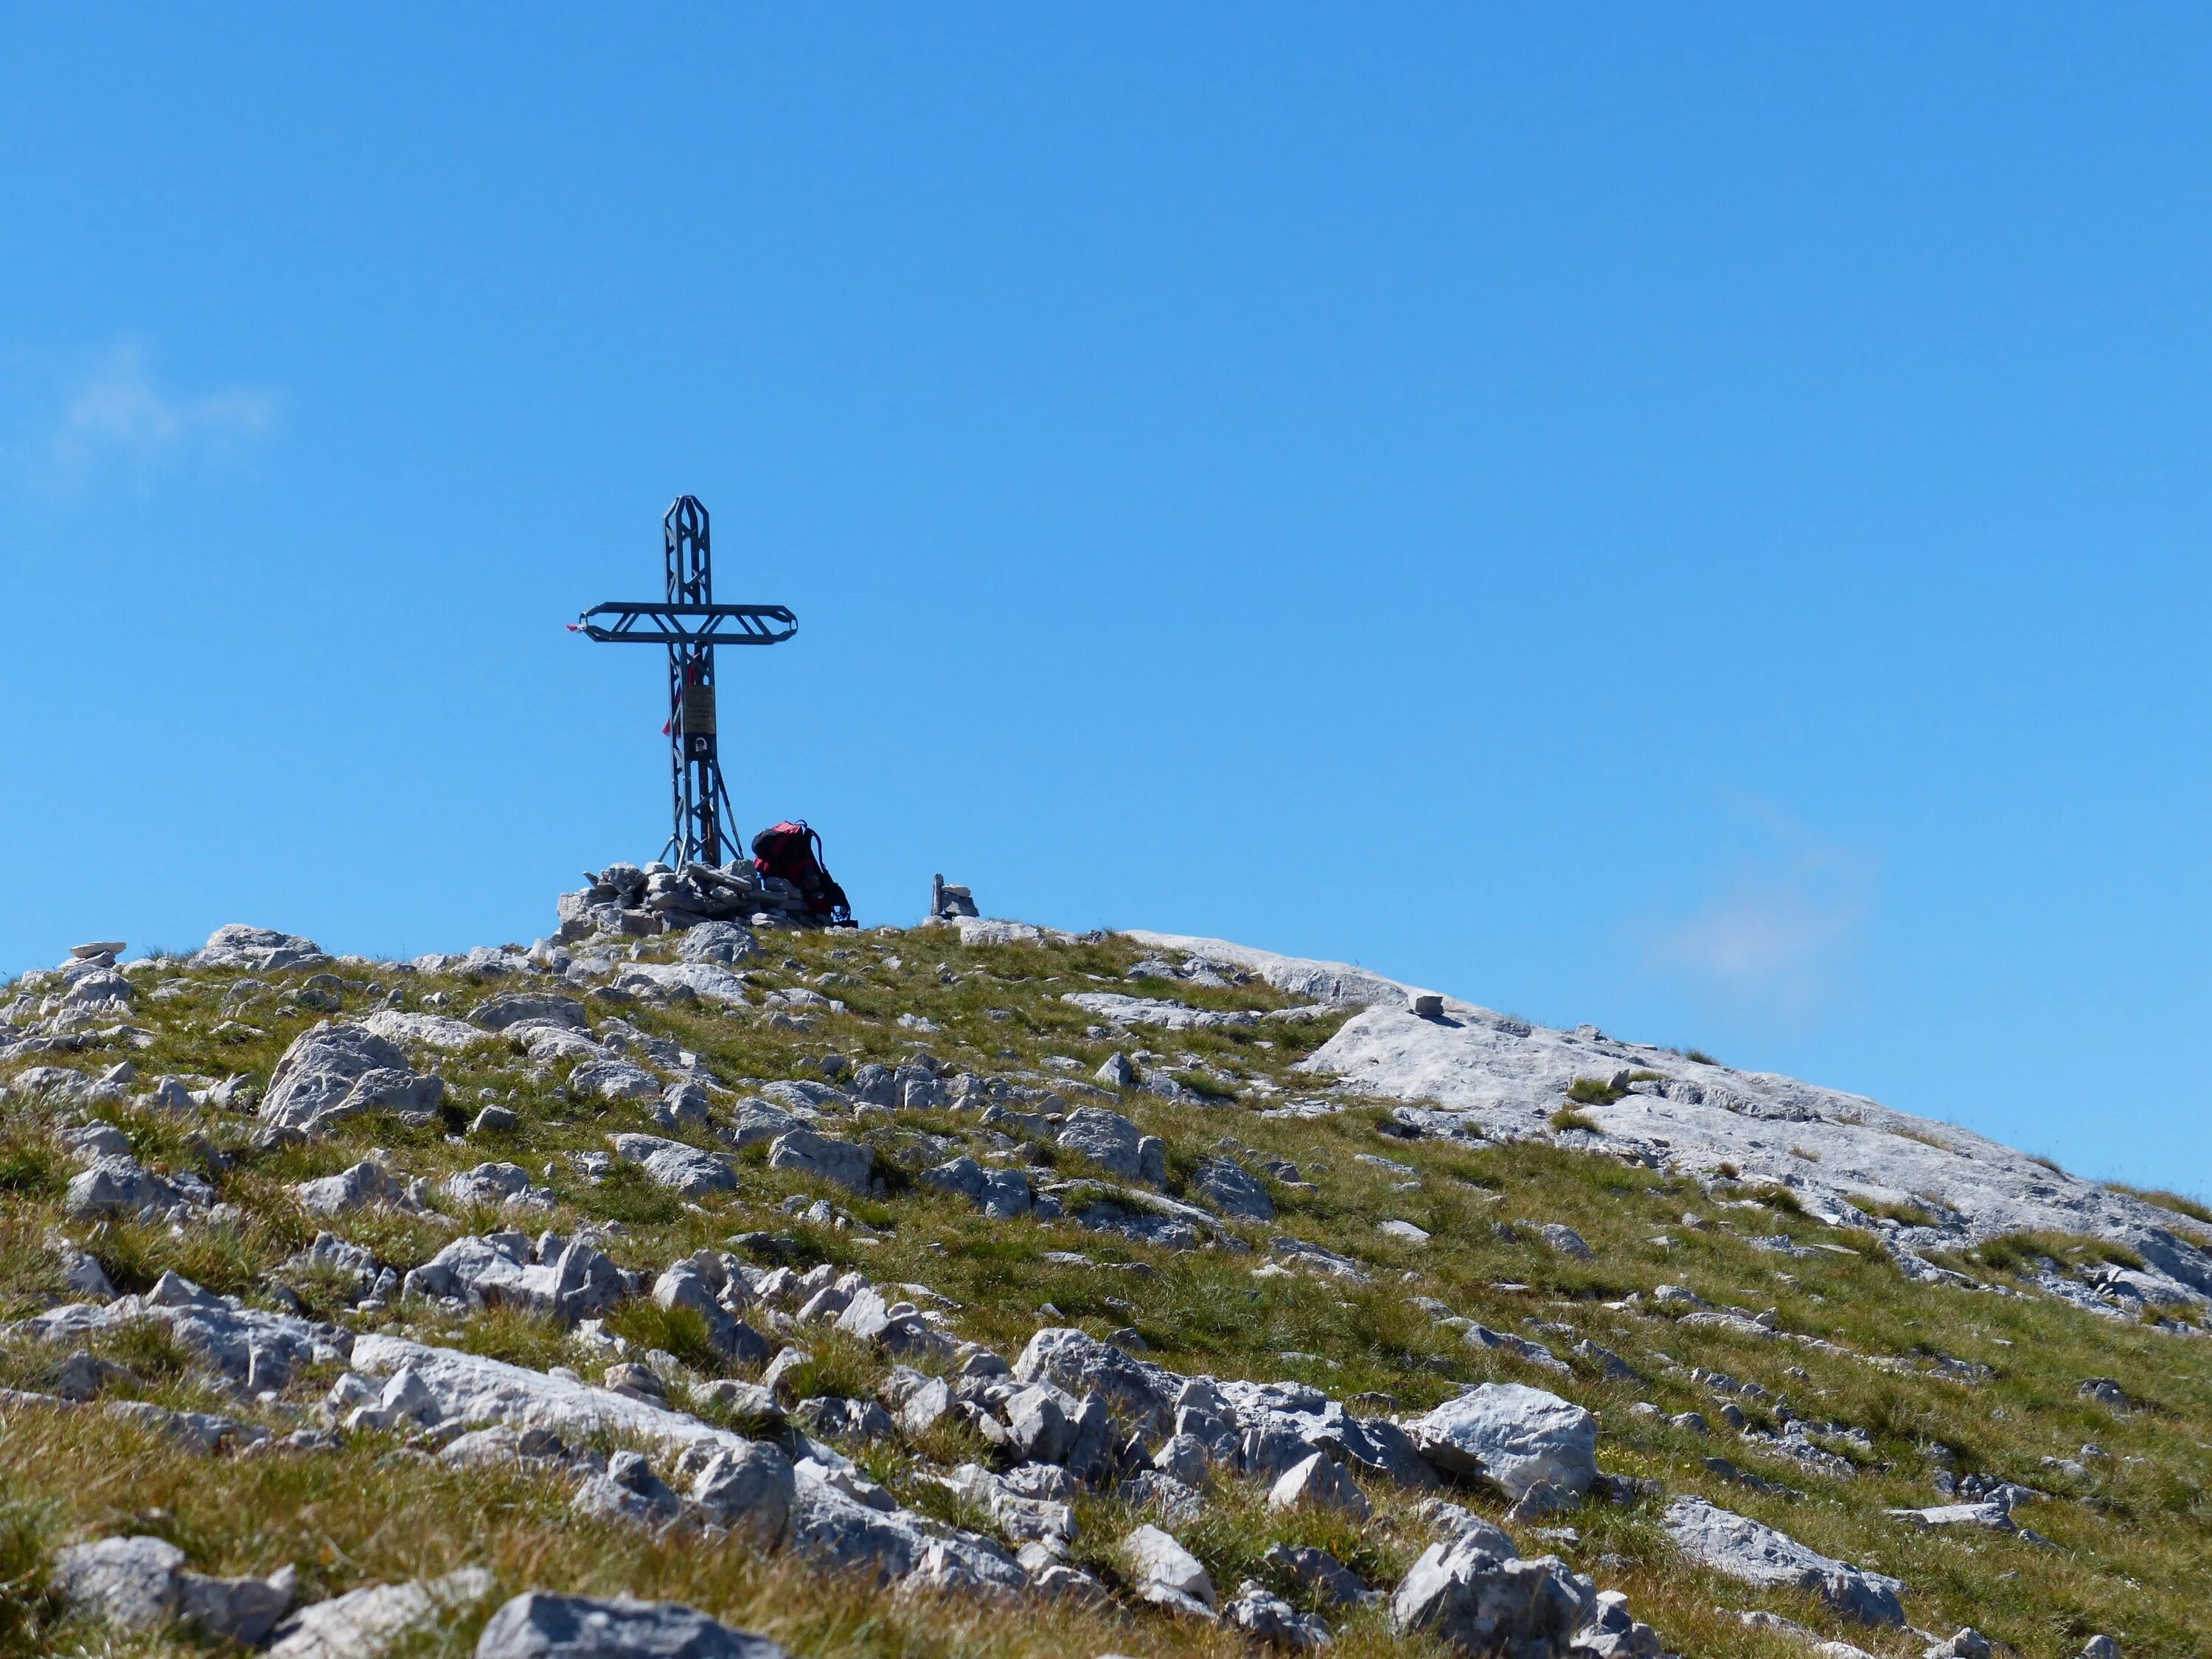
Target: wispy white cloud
pixel 116 412
pixel 1777 935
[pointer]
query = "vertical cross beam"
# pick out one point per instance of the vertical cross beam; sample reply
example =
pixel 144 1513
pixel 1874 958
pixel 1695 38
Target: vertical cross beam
pixel 700 799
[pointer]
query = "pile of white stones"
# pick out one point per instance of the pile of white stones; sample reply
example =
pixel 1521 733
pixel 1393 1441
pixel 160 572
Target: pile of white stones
pixel 625 899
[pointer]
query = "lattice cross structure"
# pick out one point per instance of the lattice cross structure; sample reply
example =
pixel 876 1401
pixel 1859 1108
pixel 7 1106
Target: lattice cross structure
pixel 691 624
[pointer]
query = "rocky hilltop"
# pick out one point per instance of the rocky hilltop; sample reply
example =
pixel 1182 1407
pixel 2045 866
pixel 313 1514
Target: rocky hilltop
pixel 695 1282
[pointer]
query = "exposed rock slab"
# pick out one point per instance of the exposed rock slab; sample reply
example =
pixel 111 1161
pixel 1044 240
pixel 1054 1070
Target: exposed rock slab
pixel 1470 1067
pixel 536 1625
pixel 1116 1009
pixel 671 1164
pixel 802 1151
pixel 431 1030
pixel 1754 1553
pixel 220 1330
pixel 336 1071
pixel 369 1622
pixel 261 950
pixel 130 1582
pixel 473 1389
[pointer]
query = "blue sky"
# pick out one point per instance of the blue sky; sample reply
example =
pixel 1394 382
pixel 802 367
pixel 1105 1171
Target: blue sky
pixel 1691 519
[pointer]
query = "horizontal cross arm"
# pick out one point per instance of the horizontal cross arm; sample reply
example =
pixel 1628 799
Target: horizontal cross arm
pixel 656 622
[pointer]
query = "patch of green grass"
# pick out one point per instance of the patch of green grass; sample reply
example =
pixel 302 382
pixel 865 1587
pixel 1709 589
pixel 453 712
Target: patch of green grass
pixel 26 1605
pixel 1906 1132
pixel 1700 1056
pixel 1905 1214
pixel 1568 1118
pixel 147 1347
pixel 1777 1197
pixel 1593 1091
pixel 840 1364
pixel 626 1193
pixel 2015 1253
pixel 644 1323
pixel 30 1165
pixel 2179 1203
pixel 517 1336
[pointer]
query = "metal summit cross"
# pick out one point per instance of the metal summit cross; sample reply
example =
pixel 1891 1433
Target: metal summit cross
pixel 691 624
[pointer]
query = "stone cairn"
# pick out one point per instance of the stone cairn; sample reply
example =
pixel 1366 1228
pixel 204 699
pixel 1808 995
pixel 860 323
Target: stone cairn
pixel 947 902
pixel 625 899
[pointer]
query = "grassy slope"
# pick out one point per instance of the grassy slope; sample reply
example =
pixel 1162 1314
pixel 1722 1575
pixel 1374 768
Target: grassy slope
pixel 2132 1541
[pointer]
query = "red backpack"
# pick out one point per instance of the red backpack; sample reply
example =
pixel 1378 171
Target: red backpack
pixel 794 851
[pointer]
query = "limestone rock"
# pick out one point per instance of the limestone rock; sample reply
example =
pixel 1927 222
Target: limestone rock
pixel 366 1183
pixel 568 1278
pixel 120 1186
pixel 1480 1603
pixel 685 1105
pixel 725 942
pixel 748 1488
pixel 835 1418
pixel 497 1184
pixel 1187 1457
pixel 807 1153
pixel 1261 1614
pixel 521 1007
pixel 629 1490
pixel 1118 1009
pixel 895 1326
pixel 683 1170
pixel 220 1330
pixel 431 1030
pixel 83 1376
pixel 753 1120
pixel 337 1071
pixel 1512 1435
pixel 1145 1395
pixel 837 1532
pixel 259 949
pixel 998 1192
pixel 614 1079
pixel 367 1623
pixel 130 1582
pixel 1564 1238
pixel 1614 1633
pixel 1477 1065
pixel 1233 1190
pixel 1755 1553
pixel 682 1285
pixel 240 1610
pixel 90 1142
pixel 1164 1573
pixel 1320 1483
pixel 536 1625
pixel 1115 1144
